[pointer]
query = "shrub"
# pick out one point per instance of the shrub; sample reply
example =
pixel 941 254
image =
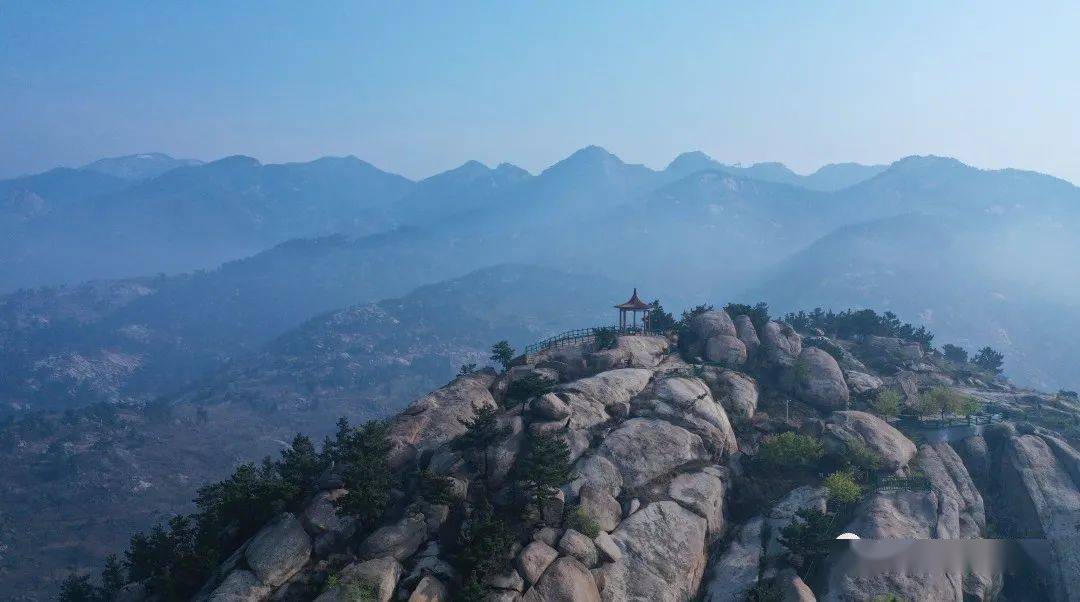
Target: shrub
pixel 944 400
pixel 660 320
pixel 843 488
pixel 758 314
pixel 954 353
pixel 859 322
pixel 577 520
pixel 467 369
pixel 860 455
pixel 886 403
pixel 529 386
pixel 434 488
pixel 808 539
pixel 605 338
pixel 485 542
pixel 791 449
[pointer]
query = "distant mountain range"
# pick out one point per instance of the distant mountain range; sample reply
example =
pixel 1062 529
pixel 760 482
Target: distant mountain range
pixel 696 230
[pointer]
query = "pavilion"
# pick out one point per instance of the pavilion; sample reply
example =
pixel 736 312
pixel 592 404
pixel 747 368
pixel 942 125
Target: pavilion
pixel 633 306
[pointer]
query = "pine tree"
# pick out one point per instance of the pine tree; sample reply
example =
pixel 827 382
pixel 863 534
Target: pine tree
pixel 77 588
pixel 481 434
pixel 543 468
pixel 365 452
pixel 502 353
pixel 112 576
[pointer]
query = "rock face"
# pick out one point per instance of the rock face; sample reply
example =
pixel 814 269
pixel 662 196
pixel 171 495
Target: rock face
pixel 735 572
pixel 596 503
pixel 399 540
pixel 689 403
pixel 725 349
pixel 781 344
pixel 819 381
pixel 702 493
pixel 643 449
pixel 737 392
pixel 843 427
pixel 590 399
pixel 891 350
pixel 951 509
pixel 437 417
pixel 279 550
pixel 1036 481
pixel 744 329
pixel 862 383
pixel 663 549
pixel 240 586
pixel 630 352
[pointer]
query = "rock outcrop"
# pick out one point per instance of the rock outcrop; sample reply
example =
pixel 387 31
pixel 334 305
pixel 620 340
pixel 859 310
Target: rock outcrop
pixel 844 427
pixel 819 381
pixel 781 344
pixel 744 329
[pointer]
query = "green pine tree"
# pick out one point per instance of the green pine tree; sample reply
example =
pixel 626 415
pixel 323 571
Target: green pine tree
pixel 543 468
pixel 481 434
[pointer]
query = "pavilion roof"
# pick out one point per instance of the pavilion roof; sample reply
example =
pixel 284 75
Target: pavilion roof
pixel 634 303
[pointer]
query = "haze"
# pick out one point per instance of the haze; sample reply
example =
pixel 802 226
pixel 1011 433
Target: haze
pixel 419 89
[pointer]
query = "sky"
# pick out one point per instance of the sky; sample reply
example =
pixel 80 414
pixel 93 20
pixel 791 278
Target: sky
pixel 420 87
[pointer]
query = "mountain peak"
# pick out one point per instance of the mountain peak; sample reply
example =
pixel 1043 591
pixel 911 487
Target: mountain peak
pixel 138 167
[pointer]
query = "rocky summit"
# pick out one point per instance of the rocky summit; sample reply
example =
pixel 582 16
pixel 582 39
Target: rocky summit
pixel 717 461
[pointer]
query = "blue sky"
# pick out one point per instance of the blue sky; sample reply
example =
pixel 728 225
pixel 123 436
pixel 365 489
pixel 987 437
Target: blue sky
pixel 417 88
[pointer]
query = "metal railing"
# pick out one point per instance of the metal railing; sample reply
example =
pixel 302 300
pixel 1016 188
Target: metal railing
pixel 574 337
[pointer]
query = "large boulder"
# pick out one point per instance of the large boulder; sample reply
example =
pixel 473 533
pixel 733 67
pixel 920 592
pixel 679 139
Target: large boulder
pixel 744 329
pixel 781 344
pixel 597 503
pixel 663 555
pixel 725 349
pixel 705 325
pixel 565 580
pixel 960 505
pixel 862 383
pixel 241 586
pixel 279 550
pixel 645 449
pixel 399 540
pixel 783 513
pixel 430 589
pixel 702 493
pixel 844 427
pixel 382 574
pixel 819 381
pixel 598 470
pixel 534 560
pixel 326 526
pixel 437 418
pixel 589 399
pixel 640 351
pixel 735 573
pixel 689 403
pixel 576 544
pixel 890 351
pixel 735 391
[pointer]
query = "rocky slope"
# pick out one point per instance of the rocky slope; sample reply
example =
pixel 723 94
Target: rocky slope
pixel 675 490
